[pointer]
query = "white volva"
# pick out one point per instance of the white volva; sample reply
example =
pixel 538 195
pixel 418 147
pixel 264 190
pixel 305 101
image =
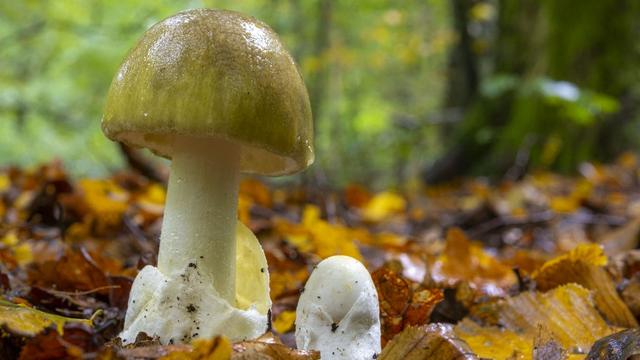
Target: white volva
pixel 183 304
pixel 338 312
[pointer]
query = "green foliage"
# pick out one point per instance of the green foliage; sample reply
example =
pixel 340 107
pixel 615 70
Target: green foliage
pixel 381 67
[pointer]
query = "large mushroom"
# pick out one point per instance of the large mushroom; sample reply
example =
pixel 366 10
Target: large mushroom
pixel 217 93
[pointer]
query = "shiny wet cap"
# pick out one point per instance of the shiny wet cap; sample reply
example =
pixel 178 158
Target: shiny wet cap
pixel 213 74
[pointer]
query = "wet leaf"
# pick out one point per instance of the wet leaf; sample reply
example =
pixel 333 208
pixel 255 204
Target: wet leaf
pixel 284 321
pixel 403 303
pixel 619 346
pixel 463 260
pixel 218 348
pixel 584 265
pixel 52 345
pixel 434 341
pixel 27 321
pixel 382 206
pixel 568 312
pixel 270 351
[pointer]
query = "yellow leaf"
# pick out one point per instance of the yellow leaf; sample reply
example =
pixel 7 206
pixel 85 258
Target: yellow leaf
pixel 10 239
pixel 383 205
pixel 463 260
pixel 104 197
pixel 584 265
pixel 491 342
pixel 434 341
pixel 5 182
pixel 318 236
pixel 154 194
pixel 563 204
pixel 588 253
pixel 310 215
pixel 23 254
pixel 28 321
pixel 568 312
pixel 284 321
pixel 218 348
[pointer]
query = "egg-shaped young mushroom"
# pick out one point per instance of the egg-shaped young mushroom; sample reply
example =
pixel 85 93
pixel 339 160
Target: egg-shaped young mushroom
pixel 338 312
pixel 217 93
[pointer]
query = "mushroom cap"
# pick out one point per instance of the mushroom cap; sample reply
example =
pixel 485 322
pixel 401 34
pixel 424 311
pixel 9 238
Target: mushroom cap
pixel 215 74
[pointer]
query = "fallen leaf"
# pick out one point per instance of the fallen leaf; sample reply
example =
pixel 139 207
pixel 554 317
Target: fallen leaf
pixel 568 312
pixel 284 321
pixel 27 321
pixel 383 205
pixel 52 345
pixel 403 303
pixel 218 348
pixel 622 239
pixel 619 346
pixel 463 260
pixel 584 265
pixel 250 350
pixel 546 347
pixel 434 341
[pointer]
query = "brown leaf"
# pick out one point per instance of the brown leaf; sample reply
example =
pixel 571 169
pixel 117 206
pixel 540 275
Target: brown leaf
pixel 618 346
pixel 434 342
pixel 622 239
pixel 270 351
pixel 463 260
pixel 402 302
pixel 546 347
pixel 51 345
pixel 567 312
pixel 71 272
pixel 218 348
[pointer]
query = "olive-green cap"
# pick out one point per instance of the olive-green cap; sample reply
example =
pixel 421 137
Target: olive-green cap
pixel 213 74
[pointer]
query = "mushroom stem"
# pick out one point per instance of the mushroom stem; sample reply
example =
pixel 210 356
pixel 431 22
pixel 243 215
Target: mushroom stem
pixel 200 216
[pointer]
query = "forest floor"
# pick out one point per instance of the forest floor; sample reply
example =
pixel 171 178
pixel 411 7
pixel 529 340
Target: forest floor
pixel 541 268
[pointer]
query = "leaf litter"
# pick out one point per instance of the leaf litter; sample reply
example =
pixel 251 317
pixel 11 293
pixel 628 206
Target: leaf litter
pixel 542 268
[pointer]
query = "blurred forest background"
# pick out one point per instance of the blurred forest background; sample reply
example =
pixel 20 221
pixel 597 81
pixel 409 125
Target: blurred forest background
pixel 402 91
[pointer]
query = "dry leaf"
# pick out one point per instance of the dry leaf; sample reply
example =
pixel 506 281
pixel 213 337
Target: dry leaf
pixel 218 348
pixel 622 239
pixel 284 321
pixel 568 313
pixel 618 346
pixel 584 265
pixel 382 206
pixel 270 351
pixel 434 341
pixel 463 260
pixel 546 347
pixel 403 303
pixel 27 321
pixel 319 236
pixel 52 345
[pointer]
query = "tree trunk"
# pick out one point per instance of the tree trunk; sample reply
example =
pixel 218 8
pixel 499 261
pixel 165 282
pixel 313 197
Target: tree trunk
pixel 589 43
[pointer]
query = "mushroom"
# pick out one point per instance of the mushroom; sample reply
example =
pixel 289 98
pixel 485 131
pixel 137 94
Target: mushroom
pixel 216 92
pixel 338 312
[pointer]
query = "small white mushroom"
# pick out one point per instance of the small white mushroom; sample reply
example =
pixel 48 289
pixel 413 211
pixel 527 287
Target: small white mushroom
pixel 338 312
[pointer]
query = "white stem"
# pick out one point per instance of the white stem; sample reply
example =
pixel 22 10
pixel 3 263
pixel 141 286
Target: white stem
pixel 201 212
